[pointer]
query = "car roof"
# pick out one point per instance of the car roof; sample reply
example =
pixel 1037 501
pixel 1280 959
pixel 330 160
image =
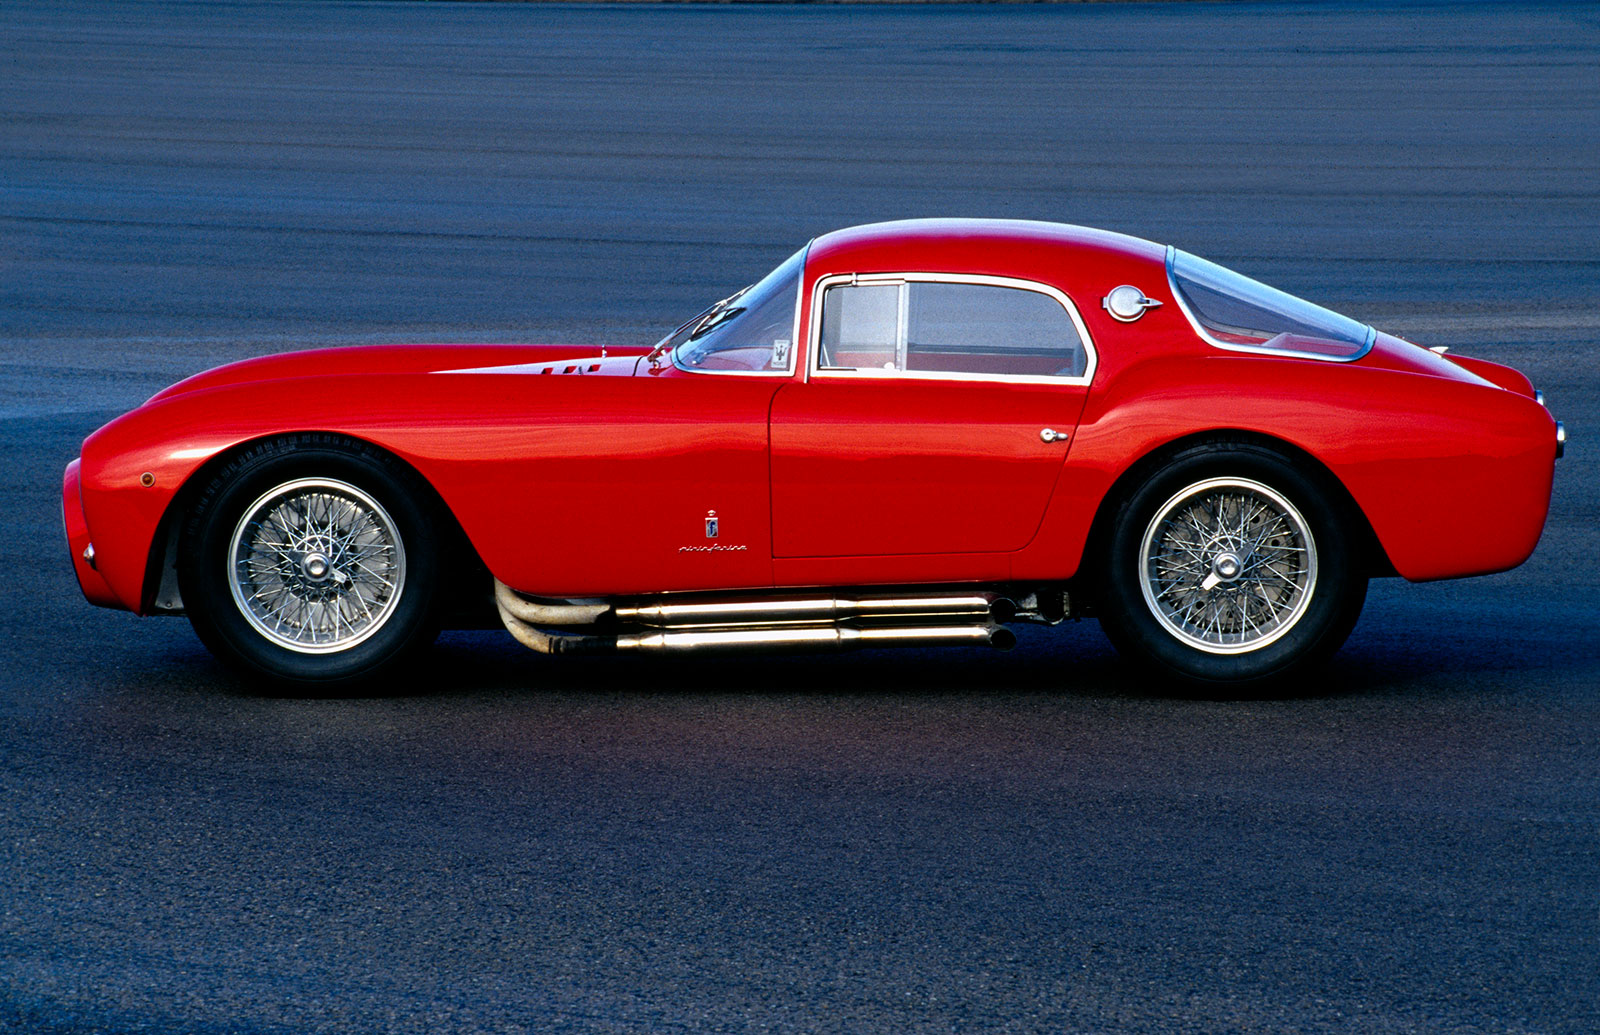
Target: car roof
pixel 958 244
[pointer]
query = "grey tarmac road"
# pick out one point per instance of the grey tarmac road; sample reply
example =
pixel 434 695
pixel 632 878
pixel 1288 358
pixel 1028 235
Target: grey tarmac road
pixel 878 842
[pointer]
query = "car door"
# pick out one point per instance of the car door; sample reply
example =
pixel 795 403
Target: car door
pixel 934 419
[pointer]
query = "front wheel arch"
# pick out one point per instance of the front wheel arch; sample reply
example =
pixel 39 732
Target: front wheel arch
pixel 339 543
pixel 466 587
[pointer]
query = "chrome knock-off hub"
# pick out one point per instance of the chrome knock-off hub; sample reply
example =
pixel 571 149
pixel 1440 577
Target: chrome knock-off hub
pixel 315 566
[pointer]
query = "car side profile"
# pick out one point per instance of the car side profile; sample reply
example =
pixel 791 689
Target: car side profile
pixel 918 432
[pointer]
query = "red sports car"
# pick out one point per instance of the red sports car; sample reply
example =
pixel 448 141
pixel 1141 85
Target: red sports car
pixel 907 433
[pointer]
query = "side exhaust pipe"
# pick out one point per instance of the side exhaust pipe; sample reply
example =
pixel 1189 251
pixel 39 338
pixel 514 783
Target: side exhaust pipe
pixel 727 612
pixel 820 637
pixel 703 628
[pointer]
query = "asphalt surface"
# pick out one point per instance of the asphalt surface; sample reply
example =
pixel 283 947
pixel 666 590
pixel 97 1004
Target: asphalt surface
pixel 881 842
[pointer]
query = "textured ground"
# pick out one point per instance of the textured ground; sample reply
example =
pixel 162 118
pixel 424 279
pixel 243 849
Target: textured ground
pixel 873 843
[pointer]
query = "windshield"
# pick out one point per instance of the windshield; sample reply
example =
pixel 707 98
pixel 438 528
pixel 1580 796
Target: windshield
pixel 749 331
pixel 1233 311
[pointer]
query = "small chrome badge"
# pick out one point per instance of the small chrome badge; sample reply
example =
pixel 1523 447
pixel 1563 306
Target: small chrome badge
pixel 711 524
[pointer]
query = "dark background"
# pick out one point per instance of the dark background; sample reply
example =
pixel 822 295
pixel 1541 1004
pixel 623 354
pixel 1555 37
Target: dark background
pixel 919 841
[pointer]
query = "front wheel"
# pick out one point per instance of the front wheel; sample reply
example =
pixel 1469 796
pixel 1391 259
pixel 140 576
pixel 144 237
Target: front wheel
pixel 311 560
pixel 1230 568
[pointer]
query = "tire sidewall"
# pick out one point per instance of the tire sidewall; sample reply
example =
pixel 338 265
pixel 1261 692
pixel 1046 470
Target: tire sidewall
pixel 1127 617
pixel 205 562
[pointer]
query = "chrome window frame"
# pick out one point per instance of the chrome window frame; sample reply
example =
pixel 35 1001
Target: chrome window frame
pixel 1255 350
pixel 814 336
pixel 794 341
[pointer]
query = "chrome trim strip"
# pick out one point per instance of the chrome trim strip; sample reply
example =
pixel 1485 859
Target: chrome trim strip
pixel 1254 350
pixel 814 335
pixel 530 368
pixel 794 343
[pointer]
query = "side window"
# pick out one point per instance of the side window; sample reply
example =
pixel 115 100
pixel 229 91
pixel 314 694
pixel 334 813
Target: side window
pixel 983 329
pixel 861 327
pixel 940 328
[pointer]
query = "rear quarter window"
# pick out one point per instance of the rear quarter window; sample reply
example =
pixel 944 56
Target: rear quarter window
pixel 1232 311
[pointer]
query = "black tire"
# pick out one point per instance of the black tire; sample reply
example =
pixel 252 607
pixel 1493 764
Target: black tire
pixel 1252 575
pixel 358 545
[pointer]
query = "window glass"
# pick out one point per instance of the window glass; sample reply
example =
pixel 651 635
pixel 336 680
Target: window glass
pixel 861 326
pixel 936 327
pixel 1235 310
pixel 752 330
pixel 987 329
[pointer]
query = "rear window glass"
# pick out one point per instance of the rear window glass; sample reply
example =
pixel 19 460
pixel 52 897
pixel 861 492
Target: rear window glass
pixel 1233 311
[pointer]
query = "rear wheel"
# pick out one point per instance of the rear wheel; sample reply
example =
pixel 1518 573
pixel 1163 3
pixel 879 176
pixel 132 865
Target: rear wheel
pixel 1231 567
pixel 311 560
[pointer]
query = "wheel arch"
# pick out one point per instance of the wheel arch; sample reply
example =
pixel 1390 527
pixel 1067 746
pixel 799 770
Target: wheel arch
pixel 1370 548
pixel 160 594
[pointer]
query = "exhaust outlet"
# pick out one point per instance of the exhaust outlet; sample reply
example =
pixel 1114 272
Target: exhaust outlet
pixel 510 601
pixel 512 610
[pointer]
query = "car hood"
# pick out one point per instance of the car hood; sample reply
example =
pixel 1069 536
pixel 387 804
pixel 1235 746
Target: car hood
pixel 416 359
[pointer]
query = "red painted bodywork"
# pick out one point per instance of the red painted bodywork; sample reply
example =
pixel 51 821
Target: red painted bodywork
pixel 581 476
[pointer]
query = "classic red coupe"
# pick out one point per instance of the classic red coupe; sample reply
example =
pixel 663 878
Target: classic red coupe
pixel 907 433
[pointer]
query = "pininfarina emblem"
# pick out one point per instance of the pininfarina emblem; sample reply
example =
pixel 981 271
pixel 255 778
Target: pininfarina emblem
pixel 713 529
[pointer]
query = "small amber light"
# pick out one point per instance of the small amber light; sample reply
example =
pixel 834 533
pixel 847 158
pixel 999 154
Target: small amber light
pixel 147 479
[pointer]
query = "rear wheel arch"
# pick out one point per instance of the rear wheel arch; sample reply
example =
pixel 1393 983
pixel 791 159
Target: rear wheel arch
pixel 1279 542
pixel 1137 473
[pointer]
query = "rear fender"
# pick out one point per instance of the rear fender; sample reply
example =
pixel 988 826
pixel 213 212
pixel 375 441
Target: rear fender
pixel 1453 476
pixel 1509 378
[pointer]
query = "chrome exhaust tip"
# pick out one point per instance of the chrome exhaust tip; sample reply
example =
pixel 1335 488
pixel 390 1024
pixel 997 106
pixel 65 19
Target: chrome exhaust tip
pixel 518 615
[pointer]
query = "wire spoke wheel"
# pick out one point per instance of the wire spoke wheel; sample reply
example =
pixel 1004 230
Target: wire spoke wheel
pixel 1228 565
pixel 316 565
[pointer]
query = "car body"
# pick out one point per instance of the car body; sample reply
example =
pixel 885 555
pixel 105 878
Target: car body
pixel 923 410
